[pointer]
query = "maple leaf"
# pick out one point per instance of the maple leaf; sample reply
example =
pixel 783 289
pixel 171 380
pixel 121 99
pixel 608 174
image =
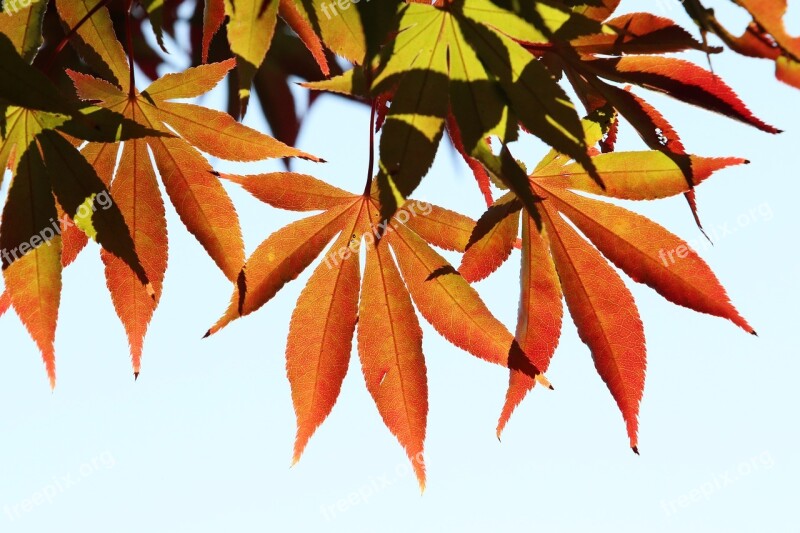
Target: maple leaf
pixel 95 41
pixel 766 36
pixel 598 10
pixel 443 71
pixel 678 78
pixel 628 56
pixel 768 27
pixel 625 51
pixel 5 303
pixel 481 70
pixel 252 24
pixel 23 27
pixel 401 268
pixel 52 186
pixel 155 10
pixel 195 192
pixel 633 53
pixel 213 19
pixel 637 34
pixel 462 60
pixel 557 260
pixel 134 199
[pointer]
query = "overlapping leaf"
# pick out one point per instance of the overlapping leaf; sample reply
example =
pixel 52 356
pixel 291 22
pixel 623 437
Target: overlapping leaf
pixel 766 36
pixel 401 268
pixel 634 54
pixel 443 70
pixel 52 185
pixel 96 41
pixel 769 30
pixel 194 190
pixel 556 259
pixel 252 24
pixel 462 60
pixel 597 9
pixel 134 223
pixel 479 69
pixel 22 25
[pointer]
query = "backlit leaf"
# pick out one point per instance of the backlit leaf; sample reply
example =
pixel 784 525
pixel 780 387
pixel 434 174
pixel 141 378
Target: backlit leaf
pixel 31 254
pixel 96 41
pixel 135 190
pixel 539 317
pixel 21 23
pixel 390 348
pixel 251 25
pixel 605 315
pixel 317 357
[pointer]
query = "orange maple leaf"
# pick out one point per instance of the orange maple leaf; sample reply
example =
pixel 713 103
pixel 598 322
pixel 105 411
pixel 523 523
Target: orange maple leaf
pixel 401 268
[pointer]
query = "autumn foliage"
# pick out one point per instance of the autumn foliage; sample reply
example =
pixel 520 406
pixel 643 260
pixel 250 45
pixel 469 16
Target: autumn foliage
pixel 94 153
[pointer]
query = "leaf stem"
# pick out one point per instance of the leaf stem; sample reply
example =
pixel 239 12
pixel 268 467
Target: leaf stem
pixel 371 164
pixel 63 43
pixel 129 45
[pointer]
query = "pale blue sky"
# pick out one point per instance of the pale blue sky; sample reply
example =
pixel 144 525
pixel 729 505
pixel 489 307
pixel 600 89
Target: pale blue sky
pixel 203 441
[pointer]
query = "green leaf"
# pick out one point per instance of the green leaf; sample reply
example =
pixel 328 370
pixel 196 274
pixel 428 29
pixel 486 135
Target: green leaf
pixel 251 26
pixel 96 42
pixel 25 86
pixel 85 198
pixel 22 24
pixel 155 12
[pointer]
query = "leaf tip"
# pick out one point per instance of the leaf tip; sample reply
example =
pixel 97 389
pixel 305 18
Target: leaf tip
pixel 300 442
pixel 50 365
pixel 541 379
pixel 308 157
pixel 595 175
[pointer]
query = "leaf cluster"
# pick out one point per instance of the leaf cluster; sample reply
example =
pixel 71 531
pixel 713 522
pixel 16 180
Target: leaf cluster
pixel 95 154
